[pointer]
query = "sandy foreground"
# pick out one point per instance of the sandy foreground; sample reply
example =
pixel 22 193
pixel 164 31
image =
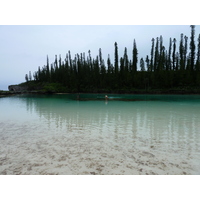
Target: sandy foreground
pixel 77 153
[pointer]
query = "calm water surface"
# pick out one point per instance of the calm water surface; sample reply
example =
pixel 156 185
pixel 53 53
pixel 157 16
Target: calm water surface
pixel 146 134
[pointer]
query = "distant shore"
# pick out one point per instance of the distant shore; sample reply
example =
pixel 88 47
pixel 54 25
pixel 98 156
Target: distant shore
pixel 33 87
pixel 156 92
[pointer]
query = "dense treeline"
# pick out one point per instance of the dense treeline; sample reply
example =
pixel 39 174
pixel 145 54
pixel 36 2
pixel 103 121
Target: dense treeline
pixel 176 67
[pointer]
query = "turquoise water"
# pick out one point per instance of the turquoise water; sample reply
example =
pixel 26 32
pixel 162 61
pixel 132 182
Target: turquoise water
pixel 130 134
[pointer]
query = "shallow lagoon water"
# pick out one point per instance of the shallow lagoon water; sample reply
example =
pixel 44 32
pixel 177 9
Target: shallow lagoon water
pixel 128 134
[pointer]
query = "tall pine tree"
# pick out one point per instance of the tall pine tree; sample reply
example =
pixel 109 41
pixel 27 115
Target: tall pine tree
pixel 169 55
pixel 174 54
pixel 192 47
pixel 198 55
pixel 116 59
pixel 152 55
pixel 181 53
pixel 135 56
pixel 185 51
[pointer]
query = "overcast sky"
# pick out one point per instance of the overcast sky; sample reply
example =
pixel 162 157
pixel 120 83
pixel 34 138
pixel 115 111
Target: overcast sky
pixel 24 48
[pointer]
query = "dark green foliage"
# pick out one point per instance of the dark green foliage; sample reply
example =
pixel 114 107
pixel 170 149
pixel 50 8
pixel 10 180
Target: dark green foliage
pixel 161 70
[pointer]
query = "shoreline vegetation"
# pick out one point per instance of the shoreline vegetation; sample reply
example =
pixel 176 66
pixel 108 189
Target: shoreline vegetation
pixel 33 87
pixel 172 71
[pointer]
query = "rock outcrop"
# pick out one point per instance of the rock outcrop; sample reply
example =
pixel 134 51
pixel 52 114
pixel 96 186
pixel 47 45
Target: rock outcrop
pixel 17 88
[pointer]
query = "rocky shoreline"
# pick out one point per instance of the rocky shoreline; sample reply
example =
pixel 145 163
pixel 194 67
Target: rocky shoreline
pixel 12 93
pixel 54 88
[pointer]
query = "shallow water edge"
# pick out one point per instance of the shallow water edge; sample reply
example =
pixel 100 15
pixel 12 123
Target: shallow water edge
pixel 56 134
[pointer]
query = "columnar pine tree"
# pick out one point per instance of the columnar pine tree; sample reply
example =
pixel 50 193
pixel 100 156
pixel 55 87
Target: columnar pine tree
pixel 148 63
pixel 126 61
pixel 30 76
pixel 198 55
pixel 135 56
pixel 152 55
pixel 60 61
pixel 47 68
pixel 70 60
pixel 160 58
pixel 169 55
pixel 174 54
pixel 181 53
pixel 100 57
pixel 142 67
pixel 156 56
pixel 192 47
pixel 26 77
pixel 121 74
pixel 177 61
pixel 109 64
pixel 185 51
pixel 116 59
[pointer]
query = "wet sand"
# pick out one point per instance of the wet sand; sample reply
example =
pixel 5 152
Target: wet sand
pixel 77 153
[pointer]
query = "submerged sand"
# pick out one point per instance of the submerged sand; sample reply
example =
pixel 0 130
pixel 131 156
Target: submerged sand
pixel 79 153
pixel 58 136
